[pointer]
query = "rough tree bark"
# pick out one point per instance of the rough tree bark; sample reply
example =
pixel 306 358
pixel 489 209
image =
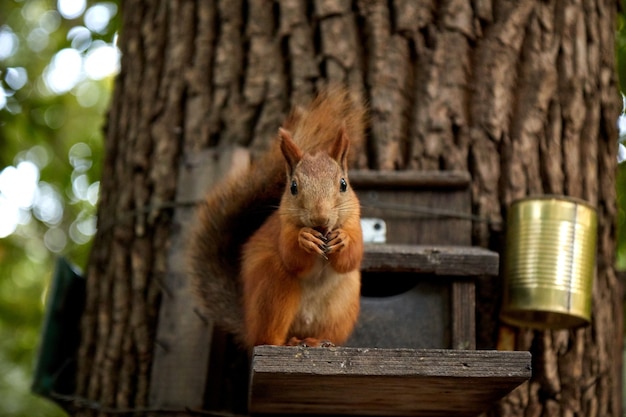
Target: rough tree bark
pixel 522 94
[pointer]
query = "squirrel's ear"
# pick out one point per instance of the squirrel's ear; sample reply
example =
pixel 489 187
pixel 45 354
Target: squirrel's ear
pixel 339 151
pixel 290 150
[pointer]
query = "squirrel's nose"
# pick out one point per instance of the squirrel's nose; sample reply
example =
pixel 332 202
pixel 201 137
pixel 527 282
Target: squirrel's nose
pixel 321 214
pixel 320 221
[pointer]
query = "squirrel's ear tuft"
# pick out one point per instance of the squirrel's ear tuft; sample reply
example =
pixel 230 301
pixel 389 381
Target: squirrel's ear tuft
pixel 339 150
pixel 295 116
pixel 290 150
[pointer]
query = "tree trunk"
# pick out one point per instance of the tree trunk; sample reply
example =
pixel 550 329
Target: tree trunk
pixel 522 94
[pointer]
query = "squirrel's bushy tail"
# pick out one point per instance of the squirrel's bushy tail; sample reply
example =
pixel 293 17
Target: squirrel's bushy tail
pixel 236 207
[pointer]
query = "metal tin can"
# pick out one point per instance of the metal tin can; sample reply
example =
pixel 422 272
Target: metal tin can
pixel 549 262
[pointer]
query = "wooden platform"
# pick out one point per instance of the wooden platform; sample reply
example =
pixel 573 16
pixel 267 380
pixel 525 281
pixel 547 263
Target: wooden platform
pixel 430 259
pixel 390 382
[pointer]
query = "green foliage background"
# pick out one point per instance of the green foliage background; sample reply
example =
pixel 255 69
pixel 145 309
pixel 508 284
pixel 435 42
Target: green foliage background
pixel 44 127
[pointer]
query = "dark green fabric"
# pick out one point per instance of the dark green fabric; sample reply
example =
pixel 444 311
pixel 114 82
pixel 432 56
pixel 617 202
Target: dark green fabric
pixel 55 367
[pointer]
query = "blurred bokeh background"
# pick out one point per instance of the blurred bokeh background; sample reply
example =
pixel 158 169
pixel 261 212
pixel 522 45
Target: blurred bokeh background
pixel 57 63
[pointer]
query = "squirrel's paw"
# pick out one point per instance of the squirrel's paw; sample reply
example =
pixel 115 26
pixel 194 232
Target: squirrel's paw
pixel 312 241
pixel 337 241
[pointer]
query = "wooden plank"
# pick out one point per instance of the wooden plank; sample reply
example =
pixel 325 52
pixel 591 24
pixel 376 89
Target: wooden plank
pixel 409 179
pixel 463 261
pixel 420 217
pixel 463 314
pixel 183 337
pixel 415 213
pixel 392 382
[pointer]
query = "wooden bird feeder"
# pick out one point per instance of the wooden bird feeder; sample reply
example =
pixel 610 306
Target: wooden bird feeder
pixel 412 352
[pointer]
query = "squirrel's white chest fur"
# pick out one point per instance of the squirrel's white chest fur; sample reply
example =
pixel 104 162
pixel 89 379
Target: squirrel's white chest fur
pixel 320 293
pixel 317 292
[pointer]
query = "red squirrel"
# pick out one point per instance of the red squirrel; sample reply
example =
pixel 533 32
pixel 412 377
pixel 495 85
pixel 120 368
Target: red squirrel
pixel 289 275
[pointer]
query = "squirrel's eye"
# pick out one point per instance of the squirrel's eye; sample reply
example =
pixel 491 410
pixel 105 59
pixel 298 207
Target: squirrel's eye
pixel 294 187
pixel 343 185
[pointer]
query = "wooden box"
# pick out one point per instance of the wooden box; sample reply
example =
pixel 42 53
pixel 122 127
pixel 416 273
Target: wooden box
pixel 418 287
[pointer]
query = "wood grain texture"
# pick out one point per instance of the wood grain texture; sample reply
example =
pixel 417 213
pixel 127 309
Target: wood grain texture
pixel 183 333
pixel 465 261
pixel 463 315
pixel 138 175
pixel 410 180
pixel 392 382
pixel 418 207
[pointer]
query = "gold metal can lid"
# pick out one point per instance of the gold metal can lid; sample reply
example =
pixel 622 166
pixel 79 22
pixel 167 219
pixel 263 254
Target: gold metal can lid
pixel 555 197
